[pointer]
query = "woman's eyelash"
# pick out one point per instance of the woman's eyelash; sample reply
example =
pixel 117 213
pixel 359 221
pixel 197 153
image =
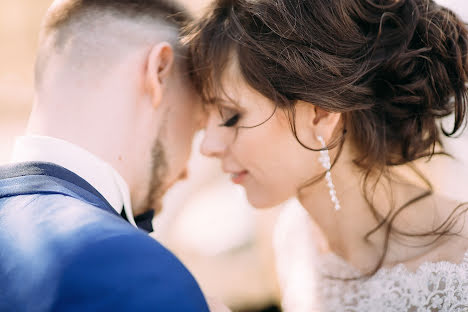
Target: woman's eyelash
pixel 231 122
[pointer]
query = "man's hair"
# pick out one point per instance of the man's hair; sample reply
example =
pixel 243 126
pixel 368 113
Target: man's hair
pixel 88 31
pixel 168 11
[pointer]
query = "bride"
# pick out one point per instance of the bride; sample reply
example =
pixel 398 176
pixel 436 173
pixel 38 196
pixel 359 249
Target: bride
pixel 338 103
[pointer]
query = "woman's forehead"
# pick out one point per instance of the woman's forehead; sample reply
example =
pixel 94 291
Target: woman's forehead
pixel 230 88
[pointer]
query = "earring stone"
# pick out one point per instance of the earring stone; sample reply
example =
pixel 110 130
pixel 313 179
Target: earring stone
pixel 325 161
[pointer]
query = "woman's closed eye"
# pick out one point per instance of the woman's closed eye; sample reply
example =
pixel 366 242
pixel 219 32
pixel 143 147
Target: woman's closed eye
pixel 230 116
pixel 231 122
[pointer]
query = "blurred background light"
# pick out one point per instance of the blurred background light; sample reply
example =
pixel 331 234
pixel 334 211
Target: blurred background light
pixel 207 222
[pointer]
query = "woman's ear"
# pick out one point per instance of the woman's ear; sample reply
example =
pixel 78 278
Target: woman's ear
pixel 326 123
pixel 160 63
pixel 322 122
pixel 312 121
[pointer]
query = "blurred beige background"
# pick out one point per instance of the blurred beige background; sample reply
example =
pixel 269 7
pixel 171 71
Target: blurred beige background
pixel 225 243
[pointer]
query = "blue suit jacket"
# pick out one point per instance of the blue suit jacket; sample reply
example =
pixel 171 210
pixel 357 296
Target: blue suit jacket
pixel 64 248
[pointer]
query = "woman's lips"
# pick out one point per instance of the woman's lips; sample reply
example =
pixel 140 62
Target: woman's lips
pixel 239 177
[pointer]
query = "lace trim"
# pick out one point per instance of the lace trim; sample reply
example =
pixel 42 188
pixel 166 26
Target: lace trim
pixel 439 286
pixel 434 286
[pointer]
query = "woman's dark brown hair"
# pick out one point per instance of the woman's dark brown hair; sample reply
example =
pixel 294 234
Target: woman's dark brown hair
pixel 393 68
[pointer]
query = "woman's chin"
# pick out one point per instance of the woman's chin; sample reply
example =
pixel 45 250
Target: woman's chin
pixel 263 202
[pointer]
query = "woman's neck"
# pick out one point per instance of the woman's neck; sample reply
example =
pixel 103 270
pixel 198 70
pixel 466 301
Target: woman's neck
pixel 364 204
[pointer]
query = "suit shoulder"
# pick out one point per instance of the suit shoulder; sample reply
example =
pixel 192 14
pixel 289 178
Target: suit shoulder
pixel 55 217
pixel 135 273
pixel 90 259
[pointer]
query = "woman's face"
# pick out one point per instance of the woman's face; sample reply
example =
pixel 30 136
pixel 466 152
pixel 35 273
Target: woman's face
pixel 267 160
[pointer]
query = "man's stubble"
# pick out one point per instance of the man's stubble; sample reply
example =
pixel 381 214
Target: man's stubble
pixel 159 171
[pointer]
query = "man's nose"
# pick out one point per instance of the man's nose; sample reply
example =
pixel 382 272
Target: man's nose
pixel 214 142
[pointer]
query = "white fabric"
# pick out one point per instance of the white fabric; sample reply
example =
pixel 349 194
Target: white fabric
pixel 440 286
pixel 102 176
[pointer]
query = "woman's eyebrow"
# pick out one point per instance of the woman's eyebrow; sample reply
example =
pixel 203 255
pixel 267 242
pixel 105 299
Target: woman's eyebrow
pixel 228 103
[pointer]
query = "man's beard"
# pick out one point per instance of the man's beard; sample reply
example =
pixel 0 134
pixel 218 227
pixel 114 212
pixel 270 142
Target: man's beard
pixel 157 188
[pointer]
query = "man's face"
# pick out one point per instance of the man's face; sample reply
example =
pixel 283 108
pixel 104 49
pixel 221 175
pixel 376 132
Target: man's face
pixel 171 149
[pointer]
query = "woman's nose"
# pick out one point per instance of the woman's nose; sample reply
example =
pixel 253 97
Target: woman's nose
pixel 214 140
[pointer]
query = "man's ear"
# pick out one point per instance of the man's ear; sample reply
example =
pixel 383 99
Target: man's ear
pixel 160 64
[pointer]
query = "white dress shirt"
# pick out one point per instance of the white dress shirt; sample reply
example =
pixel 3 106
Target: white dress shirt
pixel 101 175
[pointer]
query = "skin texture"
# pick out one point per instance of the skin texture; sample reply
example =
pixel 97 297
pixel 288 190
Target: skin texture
pixel 279 168
pixel 127 84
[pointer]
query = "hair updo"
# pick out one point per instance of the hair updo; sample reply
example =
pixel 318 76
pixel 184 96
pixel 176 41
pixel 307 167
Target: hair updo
pixel 393 68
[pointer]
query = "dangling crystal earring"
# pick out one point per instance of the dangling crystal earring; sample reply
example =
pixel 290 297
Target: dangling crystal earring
pixel 325 161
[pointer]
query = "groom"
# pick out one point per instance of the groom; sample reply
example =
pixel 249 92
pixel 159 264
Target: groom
pixel 110 131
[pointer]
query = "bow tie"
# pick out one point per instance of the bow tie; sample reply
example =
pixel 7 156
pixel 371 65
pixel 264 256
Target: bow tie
pixel 143 221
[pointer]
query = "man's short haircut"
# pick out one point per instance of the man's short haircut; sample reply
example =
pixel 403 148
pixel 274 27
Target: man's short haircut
pixel 169 11
pixel 87 30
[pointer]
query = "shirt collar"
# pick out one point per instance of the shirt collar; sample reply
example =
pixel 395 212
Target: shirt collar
pixel 101 175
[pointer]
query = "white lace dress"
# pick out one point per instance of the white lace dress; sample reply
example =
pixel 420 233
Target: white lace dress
pixel 440 286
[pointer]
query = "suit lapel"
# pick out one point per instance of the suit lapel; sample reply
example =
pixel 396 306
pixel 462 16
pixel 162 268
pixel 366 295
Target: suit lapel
pixel 47 178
